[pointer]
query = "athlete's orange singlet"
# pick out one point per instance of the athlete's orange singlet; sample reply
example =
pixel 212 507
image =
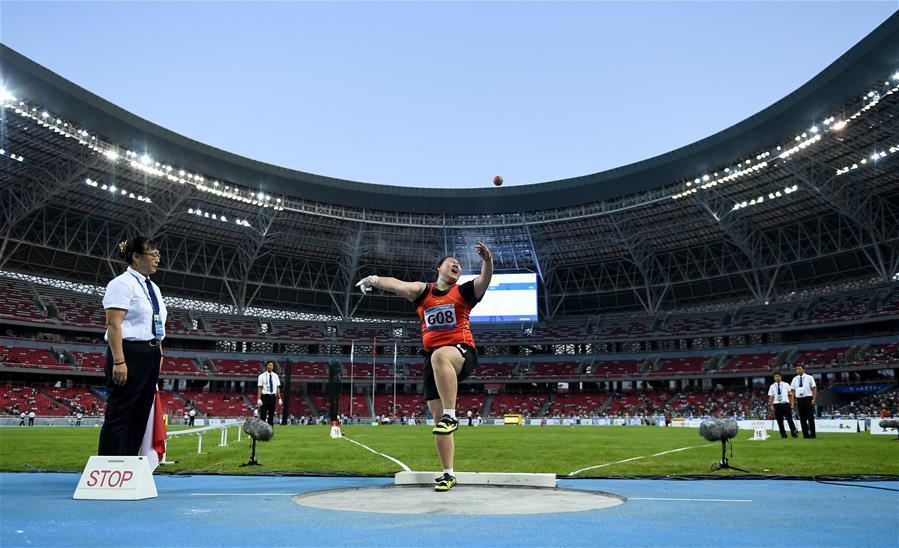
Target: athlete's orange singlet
pixel 444 318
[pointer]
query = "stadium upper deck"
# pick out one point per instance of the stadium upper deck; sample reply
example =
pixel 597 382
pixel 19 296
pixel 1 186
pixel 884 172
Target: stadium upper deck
pixel 803 193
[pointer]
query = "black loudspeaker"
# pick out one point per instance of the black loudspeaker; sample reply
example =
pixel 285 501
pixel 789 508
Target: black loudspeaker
pixel 285 392
pixel 333 390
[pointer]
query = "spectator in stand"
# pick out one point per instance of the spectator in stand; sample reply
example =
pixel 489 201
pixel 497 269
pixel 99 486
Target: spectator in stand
pixel 135 329
pixel 806 393
pixel 31 417
pixel 780 398
pixel 884 412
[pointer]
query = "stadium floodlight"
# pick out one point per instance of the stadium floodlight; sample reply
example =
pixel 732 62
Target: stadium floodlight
pixel 6 95
pixel 837 126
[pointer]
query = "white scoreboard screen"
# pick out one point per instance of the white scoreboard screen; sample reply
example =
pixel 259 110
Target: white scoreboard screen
pixel 510 298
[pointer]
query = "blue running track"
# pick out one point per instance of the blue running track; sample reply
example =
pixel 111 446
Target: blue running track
pixel 37 509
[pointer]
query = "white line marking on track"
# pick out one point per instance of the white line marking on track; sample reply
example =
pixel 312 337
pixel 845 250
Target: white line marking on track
pixel 403 466
pixel 576 472
pixel 242 494
pixel 689 500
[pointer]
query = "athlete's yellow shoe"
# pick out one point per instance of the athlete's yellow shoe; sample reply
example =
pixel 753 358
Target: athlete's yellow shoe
pixel 445 483
pixel 446 425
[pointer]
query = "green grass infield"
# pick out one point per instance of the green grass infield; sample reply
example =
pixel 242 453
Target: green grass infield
pixel 562 450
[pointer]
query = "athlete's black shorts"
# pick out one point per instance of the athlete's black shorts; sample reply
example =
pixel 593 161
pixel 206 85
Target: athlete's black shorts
pixel 430 385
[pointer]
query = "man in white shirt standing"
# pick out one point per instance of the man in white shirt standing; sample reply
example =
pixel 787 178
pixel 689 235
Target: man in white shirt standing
pixel 780 398
pixel 806 393
pixel 269 388
pixel 191 417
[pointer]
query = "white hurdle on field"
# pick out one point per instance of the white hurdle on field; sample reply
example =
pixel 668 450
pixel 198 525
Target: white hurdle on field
pixel 223 434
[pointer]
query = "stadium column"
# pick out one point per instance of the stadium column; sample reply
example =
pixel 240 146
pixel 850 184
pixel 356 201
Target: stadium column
pixel 285 392
pixel 334 390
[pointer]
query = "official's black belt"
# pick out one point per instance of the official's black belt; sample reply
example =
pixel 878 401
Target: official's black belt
pixel 151 343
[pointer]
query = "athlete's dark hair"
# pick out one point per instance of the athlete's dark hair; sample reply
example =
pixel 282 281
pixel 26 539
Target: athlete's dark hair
pixel 440 262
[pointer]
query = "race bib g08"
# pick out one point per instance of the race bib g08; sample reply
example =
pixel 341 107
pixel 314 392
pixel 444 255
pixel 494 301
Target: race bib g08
pixel 440 317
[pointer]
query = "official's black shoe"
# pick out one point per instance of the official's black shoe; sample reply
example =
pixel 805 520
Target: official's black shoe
pixel 445 483
pixel 795 434
pixel 447 425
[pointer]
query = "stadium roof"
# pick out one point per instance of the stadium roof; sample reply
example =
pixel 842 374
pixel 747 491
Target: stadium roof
pixel 876 55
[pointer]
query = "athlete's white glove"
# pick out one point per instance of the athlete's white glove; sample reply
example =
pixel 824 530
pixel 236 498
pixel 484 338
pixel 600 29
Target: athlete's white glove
pixel 366 283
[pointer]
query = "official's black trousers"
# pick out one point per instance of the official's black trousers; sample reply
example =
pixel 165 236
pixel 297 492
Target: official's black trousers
pixel 267 412
pixel 783 411
pixel 806 416
pixel 128 406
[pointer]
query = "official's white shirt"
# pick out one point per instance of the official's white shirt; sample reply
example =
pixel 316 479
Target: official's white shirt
pixel 129 292
pixel 784 396
pixel 263 382
pixel 32 415
pixel 192 413
pixel 805 391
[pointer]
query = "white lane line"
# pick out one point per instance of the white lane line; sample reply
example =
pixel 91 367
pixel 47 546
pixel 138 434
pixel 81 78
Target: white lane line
pixel 690 500
pixel 403 466
pixel 682 449
pixel 576 472
pixel 242 494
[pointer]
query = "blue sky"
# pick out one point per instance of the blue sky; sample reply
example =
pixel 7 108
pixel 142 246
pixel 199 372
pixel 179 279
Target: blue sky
pixel 440 94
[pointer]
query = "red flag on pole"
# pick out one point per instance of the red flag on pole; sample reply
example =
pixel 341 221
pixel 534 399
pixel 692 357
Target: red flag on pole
pixel 153 444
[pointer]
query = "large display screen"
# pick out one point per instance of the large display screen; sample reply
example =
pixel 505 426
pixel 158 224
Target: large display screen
pixel 510 298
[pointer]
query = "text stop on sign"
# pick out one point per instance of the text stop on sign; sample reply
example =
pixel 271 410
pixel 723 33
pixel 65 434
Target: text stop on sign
pixel 116 478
